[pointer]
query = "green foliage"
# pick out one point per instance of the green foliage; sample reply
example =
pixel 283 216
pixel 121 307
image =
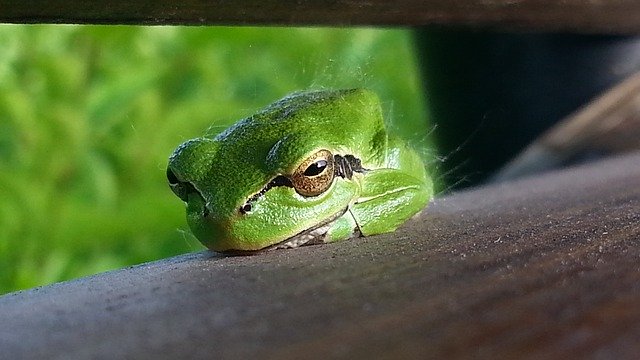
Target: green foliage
pixel 89 116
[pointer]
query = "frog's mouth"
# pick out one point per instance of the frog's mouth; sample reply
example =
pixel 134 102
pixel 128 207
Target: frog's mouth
pixel 312 236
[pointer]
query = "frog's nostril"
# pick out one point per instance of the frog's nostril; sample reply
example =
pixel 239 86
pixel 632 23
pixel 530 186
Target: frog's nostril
pixel 173 179
pixel 181 188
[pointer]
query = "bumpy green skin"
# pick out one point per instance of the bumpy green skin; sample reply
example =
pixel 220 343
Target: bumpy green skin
pixel 229 168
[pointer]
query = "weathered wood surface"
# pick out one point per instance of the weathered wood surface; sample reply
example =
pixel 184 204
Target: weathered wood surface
pixel 614 16
pixel 545 267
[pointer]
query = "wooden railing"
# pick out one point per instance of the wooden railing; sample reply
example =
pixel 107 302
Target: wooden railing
pixel 545 267
pixel 584 16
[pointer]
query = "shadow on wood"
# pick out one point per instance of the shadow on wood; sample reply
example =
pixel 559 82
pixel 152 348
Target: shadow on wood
pixel 544 267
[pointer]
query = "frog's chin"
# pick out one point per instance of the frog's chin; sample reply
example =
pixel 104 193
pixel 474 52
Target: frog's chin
pixel 312 236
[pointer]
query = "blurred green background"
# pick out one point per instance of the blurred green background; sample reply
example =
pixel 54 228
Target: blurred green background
pixel 90 114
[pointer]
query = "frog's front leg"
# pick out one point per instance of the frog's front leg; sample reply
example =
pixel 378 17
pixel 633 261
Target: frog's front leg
pixel 389 197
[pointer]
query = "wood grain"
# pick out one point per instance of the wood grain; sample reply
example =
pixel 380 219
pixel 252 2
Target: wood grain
pixel 544 267
pixel 615 16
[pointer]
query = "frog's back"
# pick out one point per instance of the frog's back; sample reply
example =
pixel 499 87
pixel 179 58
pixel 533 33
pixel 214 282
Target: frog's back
pixel 349 121
pixel 334 112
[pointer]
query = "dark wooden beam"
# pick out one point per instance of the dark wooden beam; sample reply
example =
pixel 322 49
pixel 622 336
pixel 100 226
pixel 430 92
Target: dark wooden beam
pixel 544 267
pixel 607 125
pixel 615 16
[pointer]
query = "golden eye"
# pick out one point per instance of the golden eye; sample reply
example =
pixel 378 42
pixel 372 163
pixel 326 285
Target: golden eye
pixel 315 175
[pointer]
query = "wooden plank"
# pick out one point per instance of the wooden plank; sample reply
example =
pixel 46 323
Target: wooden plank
pixel 615 16
pixel 608 125
pixel 545 267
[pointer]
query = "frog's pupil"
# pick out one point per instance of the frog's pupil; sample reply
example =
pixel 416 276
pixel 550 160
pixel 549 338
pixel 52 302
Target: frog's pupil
pixel 316 168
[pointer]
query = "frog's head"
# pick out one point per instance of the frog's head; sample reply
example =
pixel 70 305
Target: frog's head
pixel 270 177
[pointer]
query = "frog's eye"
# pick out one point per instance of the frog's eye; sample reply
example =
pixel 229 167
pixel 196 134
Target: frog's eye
pixel 315 174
